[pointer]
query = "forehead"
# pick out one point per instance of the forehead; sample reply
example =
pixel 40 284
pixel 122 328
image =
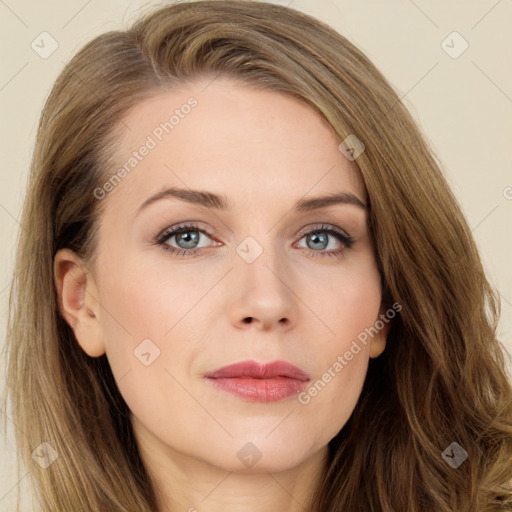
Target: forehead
pixel 246 143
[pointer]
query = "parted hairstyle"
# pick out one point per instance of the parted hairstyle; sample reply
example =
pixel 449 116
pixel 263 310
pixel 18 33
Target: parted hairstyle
pixel 443 377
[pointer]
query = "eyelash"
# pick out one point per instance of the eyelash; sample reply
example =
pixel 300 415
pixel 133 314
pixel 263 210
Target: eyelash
pixel 163 237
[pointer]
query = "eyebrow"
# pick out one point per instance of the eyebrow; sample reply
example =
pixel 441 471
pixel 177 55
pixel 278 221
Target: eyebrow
pixel 220 202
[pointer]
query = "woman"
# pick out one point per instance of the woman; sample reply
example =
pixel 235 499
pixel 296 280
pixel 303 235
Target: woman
pixel 246 284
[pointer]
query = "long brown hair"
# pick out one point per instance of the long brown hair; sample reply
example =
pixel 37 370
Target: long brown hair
pixel 442 378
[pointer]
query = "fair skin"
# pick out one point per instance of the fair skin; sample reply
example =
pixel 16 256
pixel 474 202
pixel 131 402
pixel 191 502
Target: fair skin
pixel 263 151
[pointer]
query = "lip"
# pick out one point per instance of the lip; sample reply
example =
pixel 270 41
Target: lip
pixel 260 382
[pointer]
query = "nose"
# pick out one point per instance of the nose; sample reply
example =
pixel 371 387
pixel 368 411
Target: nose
pixel 264 296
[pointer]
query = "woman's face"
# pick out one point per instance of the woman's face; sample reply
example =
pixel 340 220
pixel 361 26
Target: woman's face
pixel 256 287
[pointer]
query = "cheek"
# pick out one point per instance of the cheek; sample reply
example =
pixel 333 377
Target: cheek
pixel 348 304
pixel 144 322
pixel 350 309
pixel 139 312
pixel 141 300
pixel 333 393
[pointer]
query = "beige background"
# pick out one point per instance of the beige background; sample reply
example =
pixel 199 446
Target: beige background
pixel 463 104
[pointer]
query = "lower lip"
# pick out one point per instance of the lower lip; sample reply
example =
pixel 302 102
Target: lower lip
pixel 260 390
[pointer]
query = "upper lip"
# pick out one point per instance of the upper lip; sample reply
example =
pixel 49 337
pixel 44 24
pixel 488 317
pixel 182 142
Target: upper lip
pixel 255 370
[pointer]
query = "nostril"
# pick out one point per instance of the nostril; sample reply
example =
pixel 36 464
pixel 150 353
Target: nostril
pixel 248 319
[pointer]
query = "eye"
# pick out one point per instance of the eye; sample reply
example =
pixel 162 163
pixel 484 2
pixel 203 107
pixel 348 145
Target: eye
pixel 187 238
pixel 318 239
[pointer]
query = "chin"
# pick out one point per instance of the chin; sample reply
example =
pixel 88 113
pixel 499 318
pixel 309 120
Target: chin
pixel 259 455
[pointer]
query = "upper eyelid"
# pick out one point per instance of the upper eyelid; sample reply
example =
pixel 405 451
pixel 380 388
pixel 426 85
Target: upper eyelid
pixel 323 226
pixel 171 231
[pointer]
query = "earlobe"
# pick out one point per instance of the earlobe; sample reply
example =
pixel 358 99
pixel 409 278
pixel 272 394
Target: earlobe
pixel 77 299
pixel 378 342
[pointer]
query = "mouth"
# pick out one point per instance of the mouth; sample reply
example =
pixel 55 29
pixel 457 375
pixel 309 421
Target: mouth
pixel 258 382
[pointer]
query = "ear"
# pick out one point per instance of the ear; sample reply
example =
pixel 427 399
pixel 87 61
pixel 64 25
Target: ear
pixel 378 342
pixel 78 301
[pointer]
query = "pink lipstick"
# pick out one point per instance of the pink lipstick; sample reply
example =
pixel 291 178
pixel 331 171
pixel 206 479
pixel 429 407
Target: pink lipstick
pixel 258 382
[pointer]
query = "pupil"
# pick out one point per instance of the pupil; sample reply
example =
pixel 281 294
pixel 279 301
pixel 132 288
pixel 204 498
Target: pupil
pixel 315 237
pixel 191 239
